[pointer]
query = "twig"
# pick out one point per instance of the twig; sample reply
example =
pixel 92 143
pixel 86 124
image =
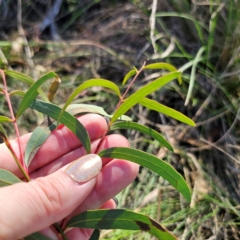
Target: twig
pixel 231 127
pixel 130 85
pixel 119 104
pixel 220 149
pixel 21 164
pixel 152 25
pixel 26 46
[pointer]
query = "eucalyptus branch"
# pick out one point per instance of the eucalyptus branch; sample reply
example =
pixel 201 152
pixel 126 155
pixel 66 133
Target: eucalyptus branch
pixel 20 163
pixel 130 85
pixel 25 174
pixel 119 104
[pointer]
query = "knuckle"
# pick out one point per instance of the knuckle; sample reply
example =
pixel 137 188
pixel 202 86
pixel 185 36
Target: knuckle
pixel 50 199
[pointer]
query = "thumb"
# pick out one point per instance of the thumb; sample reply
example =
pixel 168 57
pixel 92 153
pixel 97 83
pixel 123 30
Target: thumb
pixel 30 207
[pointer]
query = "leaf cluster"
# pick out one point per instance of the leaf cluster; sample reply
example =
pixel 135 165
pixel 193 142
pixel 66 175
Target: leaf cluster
pixel 55 116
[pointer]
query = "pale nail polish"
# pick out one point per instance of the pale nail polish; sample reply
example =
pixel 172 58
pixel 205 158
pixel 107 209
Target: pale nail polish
pixel 85 168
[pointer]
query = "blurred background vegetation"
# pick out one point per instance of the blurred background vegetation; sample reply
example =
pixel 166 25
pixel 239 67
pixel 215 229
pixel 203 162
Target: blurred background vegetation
pixel 87 39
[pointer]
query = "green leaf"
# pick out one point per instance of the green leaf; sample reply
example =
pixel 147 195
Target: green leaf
pixel 128 75
pixel 38 137
pixel 143 129
pixel 200 25
pixel 7 178
pixel 142 92
pixel 5 119
pixel 193 74
pixel 156 106
pixel 26 79
pixel 120 219
pixel 2 131
pixel 32 92
pixel 78 109
pixel 91 83
pixel 153 163
pixel 67 119
pixel 17 92
pixel 163 65
pixel 20 76
pixel 95 235
pixel 36 236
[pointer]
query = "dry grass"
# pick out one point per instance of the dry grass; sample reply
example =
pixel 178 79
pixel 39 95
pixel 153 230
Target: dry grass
pixel 92 39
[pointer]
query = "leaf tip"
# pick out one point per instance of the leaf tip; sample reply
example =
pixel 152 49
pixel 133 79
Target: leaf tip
pixel 192 123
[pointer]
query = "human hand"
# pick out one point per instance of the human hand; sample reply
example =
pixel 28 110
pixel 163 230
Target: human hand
pixel 53 196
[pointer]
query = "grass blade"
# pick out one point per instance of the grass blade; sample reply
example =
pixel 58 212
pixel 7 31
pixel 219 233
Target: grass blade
pixel 142 92
pixel 7 178
pixel 91 83
pixel 200 26
pixel 156 106
pixel 32 92
pixel 67 119
pixel 120 219
pixel 143 129
pixel 78 109
pixel 193 74
pixel 5 119
pixel 153 163
pixel 166 66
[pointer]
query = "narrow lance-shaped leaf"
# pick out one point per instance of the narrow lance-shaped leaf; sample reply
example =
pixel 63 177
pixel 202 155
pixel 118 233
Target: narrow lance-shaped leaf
pixel 143 129
pixel 153 163
pixel 193 74
pixel 128 75
pixel 36 236
pixel 5 119
pixel 20 76
pixel 156 106
pixel 38 137
pixel 17 92
pixel 91 83
pixel 163 65
pixel 95 235
pixel 3 133
pixel 42 132
pixel 120 219
pixel 78 109
pixel 32 92
pixel 7 178
pixel 26 79
pixel 67 119
pixel 142 92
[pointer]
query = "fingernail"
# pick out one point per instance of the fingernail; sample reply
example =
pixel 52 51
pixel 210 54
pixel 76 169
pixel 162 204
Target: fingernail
pixel 85 168
pixel 115 200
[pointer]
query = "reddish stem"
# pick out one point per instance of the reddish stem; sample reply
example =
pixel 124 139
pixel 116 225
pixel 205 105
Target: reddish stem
pixel 5 90
pixel 101 141
pixel 119 104
pixel 130 85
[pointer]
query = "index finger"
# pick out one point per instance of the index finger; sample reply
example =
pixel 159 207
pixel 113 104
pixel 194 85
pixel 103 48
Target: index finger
pixel 60 142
